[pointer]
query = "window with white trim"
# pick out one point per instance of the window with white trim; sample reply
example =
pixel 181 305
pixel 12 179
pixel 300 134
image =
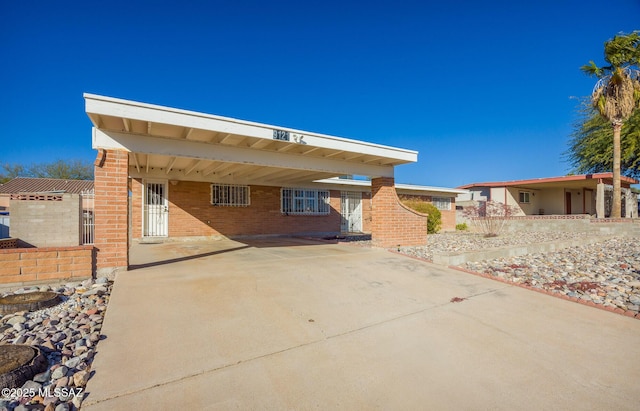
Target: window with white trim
pixel 304 201
pixel 524 197
pixel 230 195
pixel 441 203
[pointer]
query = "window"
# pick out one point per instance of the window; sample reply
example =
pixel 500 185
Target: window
pixel 229 195
pixel 442 203
pixel 524 197
pixel 304 201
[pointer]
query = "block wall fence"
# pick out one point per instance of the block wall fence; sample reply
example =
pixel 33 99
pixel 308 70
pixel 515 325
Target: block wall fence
pixel 56 217
pixel 28 265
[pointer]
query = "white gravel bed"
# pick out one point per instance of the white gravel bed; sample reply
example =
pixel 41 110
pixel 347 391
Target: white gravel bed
pixel 464 241
pixel 607 272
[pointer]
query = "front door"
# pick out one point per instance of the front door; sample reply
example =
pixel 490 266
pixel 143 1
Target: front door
pixel 156 211
pixel 567 202
pixel 351 210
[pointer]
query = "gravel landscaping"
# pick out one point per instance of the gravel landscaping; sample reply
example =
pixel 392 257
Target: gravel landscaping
pixel 606 273
pixel 67 334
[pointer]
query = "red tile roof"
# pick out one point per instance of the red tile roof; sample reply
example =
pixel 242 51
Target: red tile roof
pixel 45 185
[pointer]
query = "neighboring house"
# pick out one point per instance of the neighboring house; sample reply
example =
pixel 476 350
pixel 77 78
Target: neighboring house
pixel 577 194
pixel 168 173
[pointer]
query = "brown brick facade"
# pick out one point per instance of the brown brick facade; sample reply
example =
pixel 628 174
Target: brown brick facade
pixel 192 214
pixel 111 211
pixel 392 223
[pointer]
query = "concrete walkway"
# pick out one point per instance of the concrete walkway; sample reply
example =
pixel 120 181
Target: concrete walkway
pixel 290 324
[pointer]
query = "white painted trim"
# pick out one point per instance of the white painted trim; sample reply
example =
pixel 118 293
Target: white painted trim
pixel 430 190
pixel 125 109
pixel 241 155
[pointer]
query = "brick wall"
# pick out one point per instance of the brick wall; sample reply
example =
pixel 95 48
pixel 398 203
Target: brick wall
pixel 191 213
pixel 46 220
pixel 393 223
pixel 111 211
pixel 24 265
pixel 448 216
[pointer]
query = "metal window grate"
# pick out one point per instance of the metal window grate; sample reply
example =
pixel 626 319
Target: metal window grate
pixel 88 218
pixel 230 195
pixel 442 203
pixel 304 201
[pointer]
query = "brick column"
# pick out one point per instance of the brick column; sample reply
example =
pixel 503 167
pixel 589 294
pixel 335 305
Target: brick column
pixel 111 212
pixel 393 224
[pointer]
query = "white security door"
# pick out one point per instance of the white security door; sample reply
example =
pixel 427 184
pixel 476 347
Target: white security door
pixel 156 211
pixel 351 211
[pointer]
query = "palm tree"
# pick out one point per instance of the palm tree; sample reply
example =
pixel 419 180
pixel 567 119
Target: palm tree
pixel 617 94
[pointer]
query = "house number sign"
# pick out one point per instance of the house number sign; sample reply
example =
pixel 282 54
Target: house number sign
pixel 282 135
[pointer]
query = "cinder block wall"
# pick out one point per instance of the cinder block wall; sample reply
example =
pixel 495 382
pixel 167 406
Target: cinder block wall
pixel 47 223
pixel 192 215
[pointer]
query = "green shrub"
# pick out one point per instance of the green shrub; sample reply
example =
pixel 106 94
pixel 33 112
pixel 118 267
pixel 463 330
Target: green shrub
pixel 434 219
pixel 462 227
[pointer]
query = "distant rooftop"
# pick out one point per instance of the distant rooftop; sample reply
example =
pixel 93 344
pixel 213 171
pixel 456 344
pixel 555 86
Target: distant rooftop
pixel 540 181
pixel 45 185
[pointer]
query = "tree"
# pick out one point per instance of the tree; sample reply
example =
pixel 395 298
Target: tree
pixel 63 169
pixel 616 94
pixel 590 149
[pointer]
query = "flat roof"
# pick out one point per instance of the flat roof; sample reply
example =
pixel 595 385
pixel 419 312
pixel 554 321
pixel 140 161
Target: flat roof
pixel 548 180
pixel 181 144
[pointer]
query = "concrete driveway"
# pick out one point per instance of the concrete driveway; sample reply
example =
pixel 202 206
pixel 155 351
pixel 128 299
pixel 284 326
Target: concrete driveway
pixel 293 324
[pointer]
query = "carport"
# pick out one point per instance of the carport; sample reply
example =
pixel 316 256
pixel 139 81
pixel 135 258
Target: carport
pixel 147 152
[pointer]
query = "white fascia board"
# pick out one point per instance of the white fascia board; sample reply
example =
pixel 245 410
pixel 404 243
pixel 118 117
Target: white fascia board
pixel 108 106
pixel 414 189
pixel 431 189
pixel 240 155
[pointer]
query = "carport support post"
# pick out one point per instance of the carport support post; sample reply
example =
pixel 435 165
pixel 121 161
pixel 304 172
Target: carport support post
pixel 600 200
pixel 111 175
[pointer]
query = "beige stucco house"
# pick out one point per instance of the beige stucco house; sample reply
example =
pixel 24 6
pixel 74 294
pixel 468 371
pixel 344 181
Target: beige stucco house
pixel 577 194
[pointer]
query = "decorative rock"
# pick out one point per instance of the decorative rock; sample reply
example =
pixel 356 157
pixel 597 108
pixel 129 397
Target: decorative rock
pixel 32 385
pixel 17 319
pixel 59 372
pixel 62 382
pixel 67 334
pixel 62 407
pixel 610 279
pixel 80 378
pixel 73 362
pixel 42 377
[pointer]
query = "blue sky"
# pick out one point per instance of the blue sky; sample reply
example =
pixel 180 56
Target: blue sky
pixel 482 89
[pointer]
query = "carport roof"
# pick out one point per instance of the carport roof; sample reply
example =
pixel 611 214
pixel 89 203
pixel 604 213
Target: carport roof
pixel 180 143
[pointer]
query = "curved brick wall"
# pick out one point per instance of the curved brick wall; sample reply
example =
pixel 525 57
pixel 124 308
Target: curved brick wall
pixel 392 223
